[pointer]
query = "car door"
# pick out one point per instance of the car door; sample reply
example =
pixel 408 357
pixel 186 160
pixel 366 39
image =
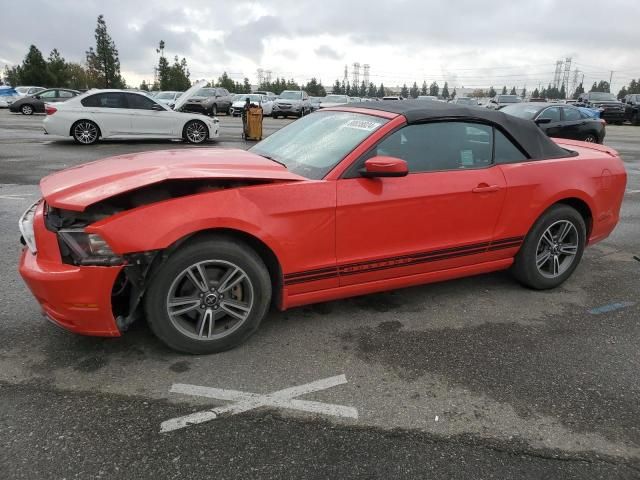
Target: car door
pixel 147 119
pixel 553 126
pixel 440 216
pixel 46 96
pixel 574 126
pixel 110 111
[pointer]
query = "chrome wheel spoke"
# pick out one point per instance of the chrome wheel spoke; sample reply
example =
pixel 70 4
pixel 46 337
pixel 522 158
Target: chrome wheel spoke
pixel 198 277
pixel 231 279
pixel 206 323
pixel 183 305
pixel 556 265
pixel 236 309
pixel 569 249
pixel 564 230
pixel 542 258
pixel 548 238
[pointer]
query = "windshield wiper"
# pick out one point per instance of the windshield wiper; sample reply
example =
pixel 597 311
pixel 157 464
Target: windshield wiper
pixel 273 160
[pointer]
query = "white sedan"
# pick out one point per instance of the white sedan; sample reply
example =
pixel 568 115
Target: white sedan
pixel 123 114
pixel 240 99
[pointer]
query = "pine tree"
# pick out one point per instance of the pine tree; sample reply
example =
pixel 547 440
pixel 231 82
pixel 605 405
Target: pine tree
pixel 535 94
pixel 424 90
pixel 77 76
pixel 504 90
pixel 373 91
pixel 513 91
pixel 413 92
pixel 57 70
pixel 523 94
pixel 225 82
pixel 578 92
pixel 492 92
pixel 434 89
pixel 453 94
pixel 445 90
pixel 404 91
pixel 562 94
pixel 594 87
pixel 33 70
pixel 622 93
pixel 103 64
pixel 381 91
pixel 337 88
pixel 144 87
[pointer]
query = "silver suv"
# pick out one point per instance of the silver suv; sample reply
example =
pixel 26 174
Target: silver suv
pixel 292 102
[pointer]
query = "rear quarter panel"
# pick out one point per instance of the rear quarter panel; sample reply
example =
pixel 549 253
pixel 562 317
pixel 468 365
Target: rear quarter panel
pixel 596 176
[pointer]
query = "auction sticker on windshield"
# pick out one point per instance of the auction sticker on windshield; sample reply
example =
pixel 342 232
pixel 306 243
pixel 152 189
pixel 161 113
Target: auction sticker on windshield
pixel 366 125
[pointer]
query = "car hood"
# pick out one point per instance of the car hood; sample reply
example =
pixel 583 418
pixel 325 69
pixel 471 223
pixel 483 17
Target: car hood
pixel 186 96
pixel 79 187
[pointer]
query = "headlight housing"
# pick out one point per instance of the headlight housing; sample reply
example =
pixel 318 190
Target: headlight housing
pixel 88 248
pixel 26 227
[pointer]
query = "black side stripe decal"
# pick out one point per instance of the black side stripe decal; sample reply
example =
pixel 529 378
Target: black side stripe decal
pixel 400 261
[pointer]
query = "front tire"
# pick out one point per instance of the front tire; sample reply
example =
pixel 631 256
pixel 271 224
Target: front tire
pixel 214 110
pixel 552 249
pixel 195 132
pixel 209 296
pixel 85 132
pixel 591 138
pixel 26 109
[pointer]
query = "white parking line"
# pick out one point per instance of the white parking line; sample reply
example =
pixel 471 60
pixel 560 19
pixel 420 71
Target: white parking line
pixel 15 197
pixel 633 191
pixel 245 401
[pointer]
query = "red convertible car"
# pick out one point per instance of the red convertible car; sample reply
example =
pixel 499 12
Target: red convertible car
pixel 346 201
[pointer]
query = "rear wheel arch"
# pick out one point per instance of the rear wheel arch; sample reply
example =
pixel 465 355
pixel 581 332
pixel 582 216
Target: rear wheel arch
pixel 264 251
pixel 583 209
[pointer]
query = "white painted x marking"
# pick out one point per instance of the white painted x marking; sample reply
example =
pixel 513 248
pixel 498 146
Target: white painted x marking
pixel 245 401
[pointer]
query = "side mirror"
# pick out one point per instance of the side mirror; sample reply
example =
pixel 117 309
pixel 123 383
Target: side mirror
pixel 384 167
pixel 157 108
pixel 542 121
pixel 36 97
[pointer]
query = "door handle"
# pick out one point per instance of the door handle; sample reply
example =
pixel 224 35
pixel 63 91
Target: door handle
pixel 484 188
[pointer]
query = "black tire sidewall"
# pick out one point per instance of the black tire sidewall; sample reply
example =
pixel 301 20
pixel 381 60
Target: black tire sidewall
pixel 525 269
pixel 214 110
pixel 206 249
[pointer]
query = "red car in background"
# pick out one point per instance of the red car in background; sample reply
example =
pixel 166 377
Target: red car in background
pixel 343 202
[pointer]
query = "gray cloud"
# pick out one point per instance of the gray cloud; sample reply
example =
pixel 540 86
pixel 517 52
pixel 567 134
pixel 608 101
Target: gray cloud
pixel 328 52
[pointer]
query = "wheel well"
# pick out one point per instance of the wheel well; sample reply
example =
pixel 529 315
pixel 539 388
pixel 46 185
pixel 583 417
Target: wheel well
pixel 184 127
pixel 582 208
pixel 84 120
pixel 266 254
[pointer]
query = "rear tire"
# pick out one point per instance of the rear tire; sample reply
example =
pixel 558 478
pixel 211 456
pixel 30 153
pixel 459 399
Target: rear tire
pixel 206 327
pixel 550 254
pixel 26 109
pixel 591 138
pixel 214 110
pixel 635 120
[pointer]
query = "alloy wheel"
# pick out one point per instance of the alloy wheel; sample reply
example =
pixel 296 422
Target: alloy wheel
pixel 85 132
pixel 210 300
pixel 557 249
pixel 590 138
pixel 196 132
pixel 27 109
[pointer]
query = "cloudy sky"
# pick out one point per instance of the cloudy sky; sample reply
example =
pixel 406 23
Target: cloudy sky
pixel 466 42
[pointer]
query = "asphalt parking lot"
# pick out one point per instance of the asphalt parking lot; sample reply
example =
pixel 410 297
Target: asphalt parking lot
pixel 473 378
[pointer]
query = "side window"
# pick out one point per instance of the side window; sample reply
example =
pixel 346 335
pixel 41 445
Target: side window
pixel 65 94
pixel 439 146
pixel 139 102
pixel 571 114
pixel 105 100
pixel 504 150
pixel 552 113
pixel 47 94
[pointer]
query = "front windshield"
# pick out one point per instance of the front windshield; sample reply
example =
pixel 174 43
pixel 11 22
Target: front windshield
pixel 206 92
pixel 602 96
pixel 335 99
pixel 528 112
pixel 291 95
pixel 313 145
pixel 165 95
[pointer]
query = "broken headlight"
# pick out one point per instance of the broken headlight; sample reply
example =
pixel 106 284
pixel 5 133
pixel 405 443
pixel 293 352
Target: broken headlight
pixel 88 248
pixel 26 227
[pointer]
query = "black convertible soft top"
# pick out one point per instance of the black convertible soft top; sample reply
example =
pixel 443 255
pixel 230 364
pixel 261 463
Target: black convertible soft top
pixel 525 132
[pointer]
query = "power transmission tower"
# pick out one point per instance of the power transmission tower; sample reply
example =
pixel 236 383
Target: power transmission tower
pixel 260 77
pixel 346 75
pixel 567 71
pixel 366 74
pixel 356 74
pixel 557 74
pixel 574 82
pixel 268 76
